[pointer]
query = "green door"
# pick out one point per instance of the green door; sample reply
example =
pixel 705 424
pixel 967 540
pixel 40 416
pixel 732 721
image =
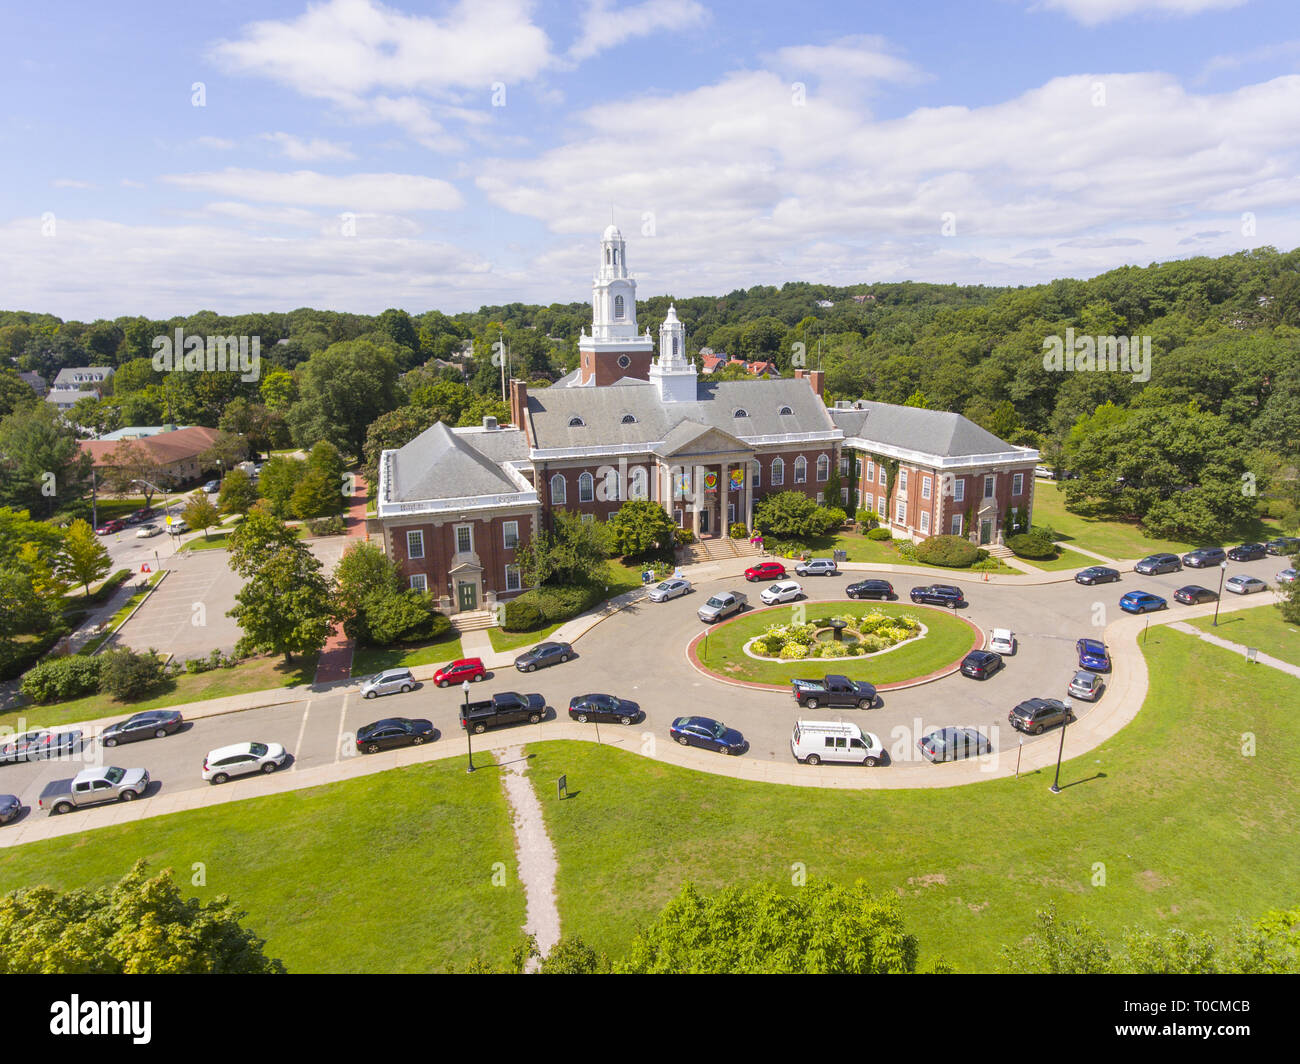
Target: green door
pixel 466 596
pixel 986 531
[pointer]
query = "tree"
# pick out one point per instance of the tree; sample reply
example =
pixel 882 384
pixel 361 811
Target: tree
pixel 571 552
pixel 41 464
pixel 256 537
pixel 15 393
pixel 238 493
pixel 126 675
pixel 822 928
pixel 284 607
pixel 792 513
pixel 363 570
pixel 82 557
pixel 277 481
pixel 132 467
pixel 200 513
pixel 316 495
pixel 225 452
pixel 140 925
pixel 343 389
pixel 640 527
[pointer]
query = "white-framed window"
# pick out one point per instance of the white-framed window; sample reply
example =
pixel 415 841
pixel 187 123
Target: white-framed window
pixel 586 488
pixel 883 478
pixel 821 498
pixel 871 471
pixel 419 582
pixel 464 538
pixel 925 487
pixel 844 467
pixel 576 422
pixel 900 513
pixel 757 469
pixel 958 490
pixel 557 490
pixel 1018 484
pixel 880 506
pixel 844 496
pixel 510 534
pixel 613 487
pixel 925 522
pixel 588 518
pixel 988 486
pixel 778 471
pixel 824 467
pixel 800 469
pixel 619 307
pixel 415 543
pixel 956 524
pixel 513 580
pixel 902 480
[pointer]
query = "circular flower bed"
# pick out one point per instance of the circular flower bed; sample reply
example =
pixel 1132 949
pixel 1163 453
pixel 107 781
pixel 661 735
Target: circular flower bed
pixel 861 636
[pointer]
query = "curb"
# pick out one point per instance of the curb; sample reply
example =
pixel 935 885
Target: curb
pixel 148 592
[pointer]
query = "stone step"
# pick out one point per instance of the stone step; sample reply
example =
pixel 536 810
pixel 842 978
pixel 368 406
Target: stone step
pixel 473 620
pixel 1000 550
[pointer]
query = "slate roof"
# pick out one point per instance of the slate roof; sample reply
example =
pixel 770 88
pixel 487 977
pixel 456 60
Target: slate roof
pixel 935 432
pixel 440 464
pixel 498 445
pixel 68 377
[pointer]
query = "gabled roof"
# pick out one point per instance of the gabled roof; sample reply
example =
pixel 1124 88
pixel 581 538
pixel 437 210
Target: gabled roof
pixel 687 433
pixel 438 464
pixel 164 448
pixel 912 428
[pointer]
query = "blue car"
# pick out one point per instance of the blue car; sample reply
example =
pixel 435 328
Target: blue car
pixel 1092 655
pixel 1142 602
pixel 707 733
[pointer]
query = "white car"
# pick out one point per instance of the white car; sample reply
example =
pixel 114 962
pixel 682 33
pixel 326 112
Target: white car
pixel 1245 585
pixel 781 591
pixel 146 531
pixel 241 759
pixel 1286 576
pixel 1002 641
pixel 668 589
pixel 178 526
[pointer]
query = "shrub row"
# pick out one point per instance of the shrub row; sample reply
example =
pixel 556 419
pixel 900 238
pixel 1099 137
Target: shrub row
pixel 543 606
pixel 955 552
pixel 121 673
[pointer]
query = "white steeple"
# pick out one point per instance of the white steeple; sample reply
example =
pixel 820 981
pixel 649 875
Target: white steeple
pixel 671 373
pixel 613 292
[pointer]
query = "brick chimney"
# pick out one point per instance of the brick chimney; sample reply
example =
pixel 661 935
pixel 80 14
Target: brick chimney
pixel 798 374
pixel 518 403
pixel 817 379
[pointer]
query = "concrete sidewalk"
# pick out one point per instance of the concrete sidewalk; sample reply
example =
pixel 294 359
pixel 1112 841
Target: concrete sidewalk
pixel 1238 648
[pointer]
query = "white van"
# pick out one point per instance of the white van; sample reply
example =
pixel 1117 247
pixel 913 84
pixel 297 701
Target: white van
pixel 815 741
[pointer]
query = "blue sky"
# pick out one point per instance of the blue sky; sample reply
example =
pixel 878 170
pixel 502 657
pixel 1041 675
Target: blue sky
pixel 349 154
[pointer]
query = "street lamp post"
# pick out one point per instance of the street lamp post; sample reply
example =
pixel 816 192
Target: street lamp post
pixel 1223 571
pixel 1065 723
pixel 469 744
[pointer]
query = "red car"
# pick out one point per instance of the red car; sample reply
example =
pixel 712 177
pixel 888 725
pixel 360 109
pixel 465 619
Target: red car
pixel 109 527
pixel 460 671
pixel 765 571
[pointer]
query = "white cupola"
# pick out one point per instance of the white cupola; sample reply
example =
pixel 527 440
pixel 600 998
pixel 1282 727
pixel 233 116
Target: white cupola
pixel 671 373
pixel 613 292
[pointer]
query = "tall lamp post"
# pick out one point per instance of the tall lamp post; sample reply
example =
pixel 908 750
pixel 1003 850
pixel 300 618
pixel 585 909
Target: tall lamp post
pixel 1065 722
pixel 1223 571
pixel 469 743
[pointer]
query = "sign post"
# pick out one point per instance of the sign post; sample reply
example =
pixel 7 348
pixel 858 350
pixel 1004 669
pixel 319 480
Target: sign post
pixel 562 787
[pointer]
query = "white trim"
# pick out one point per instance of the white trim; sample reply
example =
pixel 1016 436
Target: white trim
pixel 420 534
pixel 519 580
pixel 505 542
pixel 562 498
pixel 456 532
pixel 419 582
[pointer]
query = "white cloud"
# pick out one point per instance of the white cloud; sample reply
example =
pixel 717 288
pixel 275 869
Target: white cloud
pixel 858 58
pixel 605 27
pixel 306 151
pixel 376 192
pixel 1095 12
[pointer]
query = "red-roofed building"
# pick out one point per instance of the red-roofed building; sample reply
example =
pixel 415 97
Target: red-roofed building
pixel 175 454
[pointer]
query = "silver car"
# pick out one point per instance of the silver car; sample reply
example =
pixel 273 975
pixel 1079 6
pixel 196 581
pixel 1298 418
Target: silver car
pixel 388 682
pixel 1245 585
pixel 817 567
pixel 669 589
pixel 1086 685
pixel 1286 576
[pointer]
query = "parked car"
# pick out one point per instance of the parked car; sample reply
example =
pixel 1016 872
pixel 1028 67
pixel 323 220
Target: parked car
pixel 721 605
pixel 392 732
pixel 148 531
pixel 765 571
pixel 142 514
pixel 1044 472
pixel 781 591
pixel 815 741
pixel 388 682
pixel 838 692
pixel 459 671
pixel 1086 685
pixel 939 595
pixel 1096 574
pixel 1033 715
pixel 109 527
pixel 1286 576
pixel 669 589
pixel 707 733
pixel 242 759
pixel 1245 585
pixel 1247 552
pixel 1093 655
pixel 953 744
pixel 1002 641
pixel 1286 545
pixel 542 655
pixel 10 807
pixel 865 589
pixel 106 783
pixel 508 707
pixel 178 527
pixel 1204 557
pixel 583 708
pixel 39 744
pixel 212 487
pixel 817 567
pixel 1194 595
pixel 1142 602
pixel 1159 563
pixel 152 724
pixel 981 664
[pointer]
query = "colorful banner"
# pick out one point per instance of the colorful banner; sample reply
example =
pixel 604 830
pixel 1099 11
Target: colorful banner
pixel 737 478
pixel 710 481
pixel 683 484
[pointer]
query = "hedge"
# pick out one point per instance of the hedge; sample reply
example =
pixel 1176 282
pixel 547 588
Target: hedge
pixel 955 552
pixel 60 679
pixel 879 534
pixel 1032 545
pixel 550 605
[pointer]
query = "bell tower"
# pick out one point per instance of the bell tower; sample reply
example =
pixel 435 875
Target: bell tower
pixel 613 350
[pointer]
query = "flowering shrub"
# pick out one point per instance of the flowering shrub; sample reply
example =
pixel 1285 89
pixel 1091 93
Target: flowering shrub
pixel 794 651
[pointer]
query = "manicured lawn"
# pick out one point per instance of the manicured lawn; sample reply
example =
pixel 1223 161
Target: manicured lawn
pixel 502 640
pixel 1261 626
pixel 858 548
pixel 945 642
pixel 257 674
pixel 367 660
pixel 385 873
pixel 1066 559
pixel 1188 831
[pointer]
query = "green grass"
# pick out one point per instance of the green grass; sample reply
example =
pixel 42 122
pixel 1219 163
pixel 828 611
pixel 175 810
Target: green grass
pixel 368 660
pixel 258 674
pixel 220 540
pixel 858 548
pixel 502 640
pixel 1065 559
pixel 385 873
pixel 945 642
pixel 1190 832
pixel 1260 626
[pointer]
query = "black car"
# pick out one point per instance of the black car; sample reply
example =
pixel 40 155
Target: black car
pixel 981 664
pixel 1034 714
pixel 865 589
pixel 542 655
pixel 10 807
pixel 1248 552
pixel 392 732
pixel 953 744
pixel 1194 595
pixel 583 708
pixel 1206 556
pixel 154 724
pixel 1159 563
pixel 939 595
pixel 707 733
pixel 1096 574
pixel 1286 545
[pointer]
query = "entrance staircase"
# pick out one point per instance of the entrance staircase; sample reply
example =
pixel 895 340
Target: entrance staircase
pixel 999 550
pixel 717 549
pixel 473 620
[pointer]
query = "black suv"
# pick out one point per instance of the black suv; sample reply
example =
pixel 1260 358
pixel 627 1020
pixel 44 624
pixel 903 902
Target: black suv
pixel 980 664
pixel 1206 556
pixel 1283 545
pixel 1158 563
pixel 1247 552
pixel 542 655
pixel 939 595
pixel 881 589
pixel 1034 714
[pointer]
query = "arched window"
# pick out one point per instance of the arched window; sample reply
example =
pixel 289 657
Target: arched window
pixel 612 487
pixel 676 346
pixel 742 412
pixel 628 419
pixel 576 422
pixel 778 471
pixel 785 410
pixel 586 488
pixel 557 490
pixel 618 307
pixel 800 469
pixel 823 467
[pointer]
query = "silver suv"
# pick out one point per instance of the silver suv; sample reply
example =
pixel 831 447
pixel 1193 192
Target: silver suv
pixel 1086 685
pixel 817 567
pixel 388 682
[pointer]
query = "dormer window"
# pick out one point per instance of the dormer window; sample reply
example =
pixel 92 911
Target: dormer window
pixel 628 419
pixel 785 410
pixel 576 423
pixel 741 413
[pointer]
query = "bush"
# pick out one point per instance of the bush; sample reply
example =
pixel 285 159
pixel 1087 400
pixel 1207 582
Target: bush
pixel 793 652
pixel 738 531
pixel 520 615
pixel 683 536
pixel 834 518
pixel 907 549
pixel 981 555
pixel 60 679
pixel 951 551
pixel 102 593
pixel 124 674
pixel 327 526
pixel 552 604
pixel 868 519
pixel 1032 545
pixel 879 534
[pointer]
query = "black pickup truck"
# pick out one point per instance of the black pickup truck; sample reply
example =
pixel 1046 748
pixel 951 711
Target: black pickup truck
pixel 505 708
pixel 834 691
